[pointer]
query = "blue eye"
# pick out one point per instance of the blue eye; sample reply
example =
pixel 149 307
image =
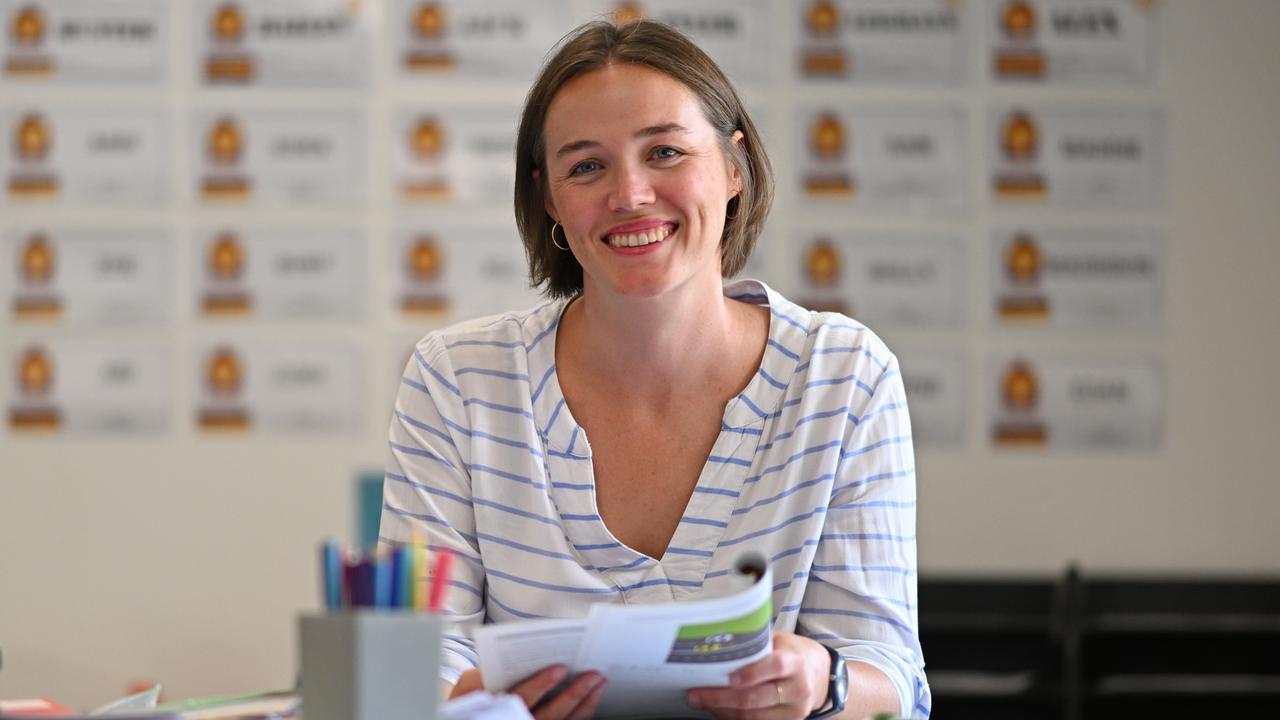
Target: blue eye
pixel 585 166
pixel 666 153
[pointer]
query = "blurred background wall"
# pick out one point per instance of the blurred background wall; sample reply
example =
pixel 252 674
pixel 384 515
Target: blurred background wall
pixel 222 230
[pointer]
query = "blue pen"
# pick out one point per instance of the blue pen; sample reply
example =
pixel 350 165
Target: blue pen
pixel 331 567
pixel 404 577
pixel 381 581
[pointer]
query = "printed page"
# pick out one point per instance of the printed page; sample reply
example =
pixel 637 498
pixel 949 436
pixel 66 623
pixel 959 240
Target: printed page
pixel 652 655
pixel 511 652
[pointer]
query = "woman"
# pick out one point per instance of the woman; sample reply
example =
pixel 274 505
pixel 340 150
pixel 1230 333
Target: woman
pixel 719 417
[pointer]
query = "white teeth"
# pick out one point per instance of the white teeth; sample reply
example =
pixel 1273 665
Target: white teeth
pixel 638 239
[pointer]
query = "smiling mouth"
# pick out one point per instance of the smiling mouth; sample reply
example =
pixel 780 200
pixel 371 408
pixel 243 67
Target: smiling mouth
pixel 638 239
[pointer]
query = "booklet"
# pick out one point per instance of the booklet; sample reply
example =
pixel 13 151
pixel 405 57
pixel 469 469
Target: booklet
pixel 651 654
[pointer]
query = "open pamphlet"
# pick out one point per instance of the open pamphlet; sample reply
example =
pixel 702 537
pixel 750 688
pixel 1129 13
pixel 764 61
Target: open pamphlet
pixel 650 654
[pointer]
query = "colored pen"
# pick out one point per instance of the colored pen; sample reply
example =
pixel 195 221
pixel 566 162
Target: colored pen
pixel 382 568
pixel 331 574
pixel 440 576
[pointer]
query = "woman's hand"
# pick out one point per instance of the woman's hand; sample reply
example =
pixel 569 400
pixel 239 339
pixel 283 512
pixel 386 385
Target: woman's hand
pixel 576 701
pixel 788 683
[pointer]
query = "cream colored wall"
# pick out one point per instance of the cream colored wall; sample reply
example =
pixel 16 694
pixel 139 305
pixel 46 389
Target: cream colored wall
pixel 186 559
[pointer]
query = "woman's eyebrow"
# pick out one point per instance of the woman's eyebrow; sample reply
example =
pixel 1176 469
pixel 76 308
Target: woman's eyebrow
pixel 642 133
pixel 660 129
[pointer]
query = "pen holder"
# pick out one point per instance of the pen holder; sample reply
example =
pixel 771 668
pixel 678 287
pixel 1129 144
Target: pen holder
pixel 370 665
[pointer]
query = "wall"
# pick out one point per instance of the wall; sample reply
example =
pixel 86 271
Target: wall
pixel 185 558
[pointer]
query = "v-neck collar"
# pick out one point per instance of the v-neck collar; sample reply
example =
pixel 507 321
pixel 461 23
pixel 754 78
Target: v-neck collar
pixel 711 503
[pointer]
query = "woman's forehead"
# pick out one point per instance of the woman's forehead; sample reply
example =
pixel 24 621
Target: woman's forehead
pixel 618 101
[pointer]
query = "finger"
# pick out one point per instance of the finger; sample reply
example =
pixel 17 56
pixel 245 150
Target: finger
pixel 774 666
pixel 564 702
pixel 757 697
pixel 533 688
pixel 587 708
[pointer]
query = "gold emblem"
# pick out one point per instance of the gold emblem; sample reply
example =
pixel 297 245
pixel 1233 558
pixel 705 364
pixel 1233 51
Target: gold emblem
pixel 429 24
pixel 825 57
pixel 1019 138
pixel 429 20
pixel 32 411
pixel 828 142
pixel 1020 143
pixel 38 263
pixel 1021 59
pixel 426 143
pixel 224 264
pixel 627 13
pixel 1023 263
pixel 227 63
pixel 827 137
pixel 35 373
pixel 823 18
pixel 228 24
pixel 425 261
pixel 1022 260
pixel 1018 20
pixel 424 264
pixel 822 264
pixel 224 379
pixel 1020 388
pixel 225 142
pixel 226 258
pixel 38 260
pixel 427 139
pixel 1019 394
pixel 224 374
pixel 28 26
pixel 33 138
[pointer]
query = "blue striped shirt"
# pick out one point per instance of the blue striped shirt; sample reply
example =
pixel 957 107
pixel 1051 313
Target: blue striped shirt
pixel 813 467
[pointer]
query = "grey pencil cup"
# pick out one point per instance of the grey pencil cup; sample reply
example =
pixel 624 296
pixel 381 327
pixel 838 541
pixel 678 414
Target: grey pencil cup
pixel 370 665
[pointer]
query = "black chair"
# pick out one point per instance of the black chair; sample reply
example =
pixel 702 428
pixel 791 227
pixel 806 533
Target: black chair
pixel 1176 648
pixel 993 647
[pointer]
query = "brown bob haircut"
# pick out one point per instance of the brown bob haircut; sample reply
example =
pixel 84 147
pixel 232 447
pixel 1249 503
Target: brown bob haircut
pixel 662 48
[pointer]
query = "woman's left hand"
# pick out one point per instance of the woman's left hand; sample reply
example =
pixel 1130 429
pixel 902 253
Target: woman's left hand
pixel 788 683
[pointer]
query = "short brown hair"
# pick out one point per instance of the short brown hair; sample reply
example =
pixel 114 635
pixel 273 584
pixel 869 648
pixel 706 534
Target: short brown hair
pixel 662 48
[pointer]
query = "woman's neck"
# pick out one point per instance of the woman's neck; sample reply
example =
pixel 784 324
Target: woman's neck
pixel 652 346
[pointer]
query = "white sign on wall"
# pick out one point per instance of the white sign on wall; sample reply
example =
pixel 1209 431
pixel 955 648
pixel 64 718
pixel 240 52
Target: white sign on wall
pixel 87 275
pixel 81 42
pixel 278 387
pixel 913 42
pixel 90 386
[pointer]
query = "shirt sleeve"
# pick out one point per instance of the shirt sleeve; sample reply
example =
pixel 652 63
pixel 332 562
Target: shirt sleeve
pixel 427 493
pixel 861 596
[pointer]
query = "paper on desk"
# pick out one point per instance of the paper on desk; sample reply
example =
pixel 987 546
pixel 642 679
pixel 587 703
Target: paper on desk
pixel 485 706
pixel 651 654
pixel 144 700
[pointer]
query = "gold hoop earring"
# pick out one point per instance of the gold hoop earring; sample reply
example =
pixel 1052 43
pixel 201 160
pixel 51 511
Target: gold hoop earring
pixel 736 207
pixel 553 237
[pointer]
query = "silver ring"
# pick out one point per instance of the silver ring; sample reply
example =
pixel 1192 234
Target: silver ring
pixel 778 686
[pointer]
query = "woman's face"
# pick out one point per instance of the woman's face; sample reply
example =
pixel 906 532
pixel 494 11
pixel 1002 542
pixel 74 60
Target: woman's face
pixel 637 178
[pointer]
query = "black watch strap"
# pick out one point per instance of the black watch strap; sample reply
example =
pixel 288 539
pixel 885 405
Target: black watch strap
pixel 837 687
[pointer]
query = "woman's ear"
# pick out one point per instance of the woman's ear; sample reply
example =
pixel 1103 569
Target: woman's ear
pixel 735 175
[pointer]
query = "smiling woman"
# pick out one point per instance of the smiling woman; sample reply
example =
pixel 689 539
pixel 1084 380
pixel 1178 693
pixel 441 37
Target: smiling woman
pixel 626 440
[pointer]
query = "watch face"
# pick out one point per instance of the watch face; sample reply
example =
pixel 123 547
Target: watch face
pixel 840 684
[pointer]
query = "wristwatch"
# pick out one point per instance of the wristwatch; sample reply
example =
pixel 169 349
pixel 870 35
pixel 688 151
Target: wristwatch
pixel 837 687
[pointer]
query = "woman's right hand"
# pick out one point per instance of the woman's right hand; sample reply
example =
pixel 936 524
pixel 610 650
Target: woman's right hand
pixel 576 701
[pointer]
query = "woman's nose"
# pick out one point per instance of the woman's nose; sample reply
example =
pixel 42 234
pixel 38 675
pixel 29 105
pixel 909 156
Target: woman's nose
pixel 631 188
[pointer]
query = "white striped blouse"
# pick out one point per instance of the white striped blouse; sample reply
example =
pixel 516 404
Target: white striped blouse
pixel 813 467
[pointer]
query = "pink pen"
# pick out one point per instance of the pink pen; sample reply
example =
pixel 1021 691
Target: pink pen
pixel 440 579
